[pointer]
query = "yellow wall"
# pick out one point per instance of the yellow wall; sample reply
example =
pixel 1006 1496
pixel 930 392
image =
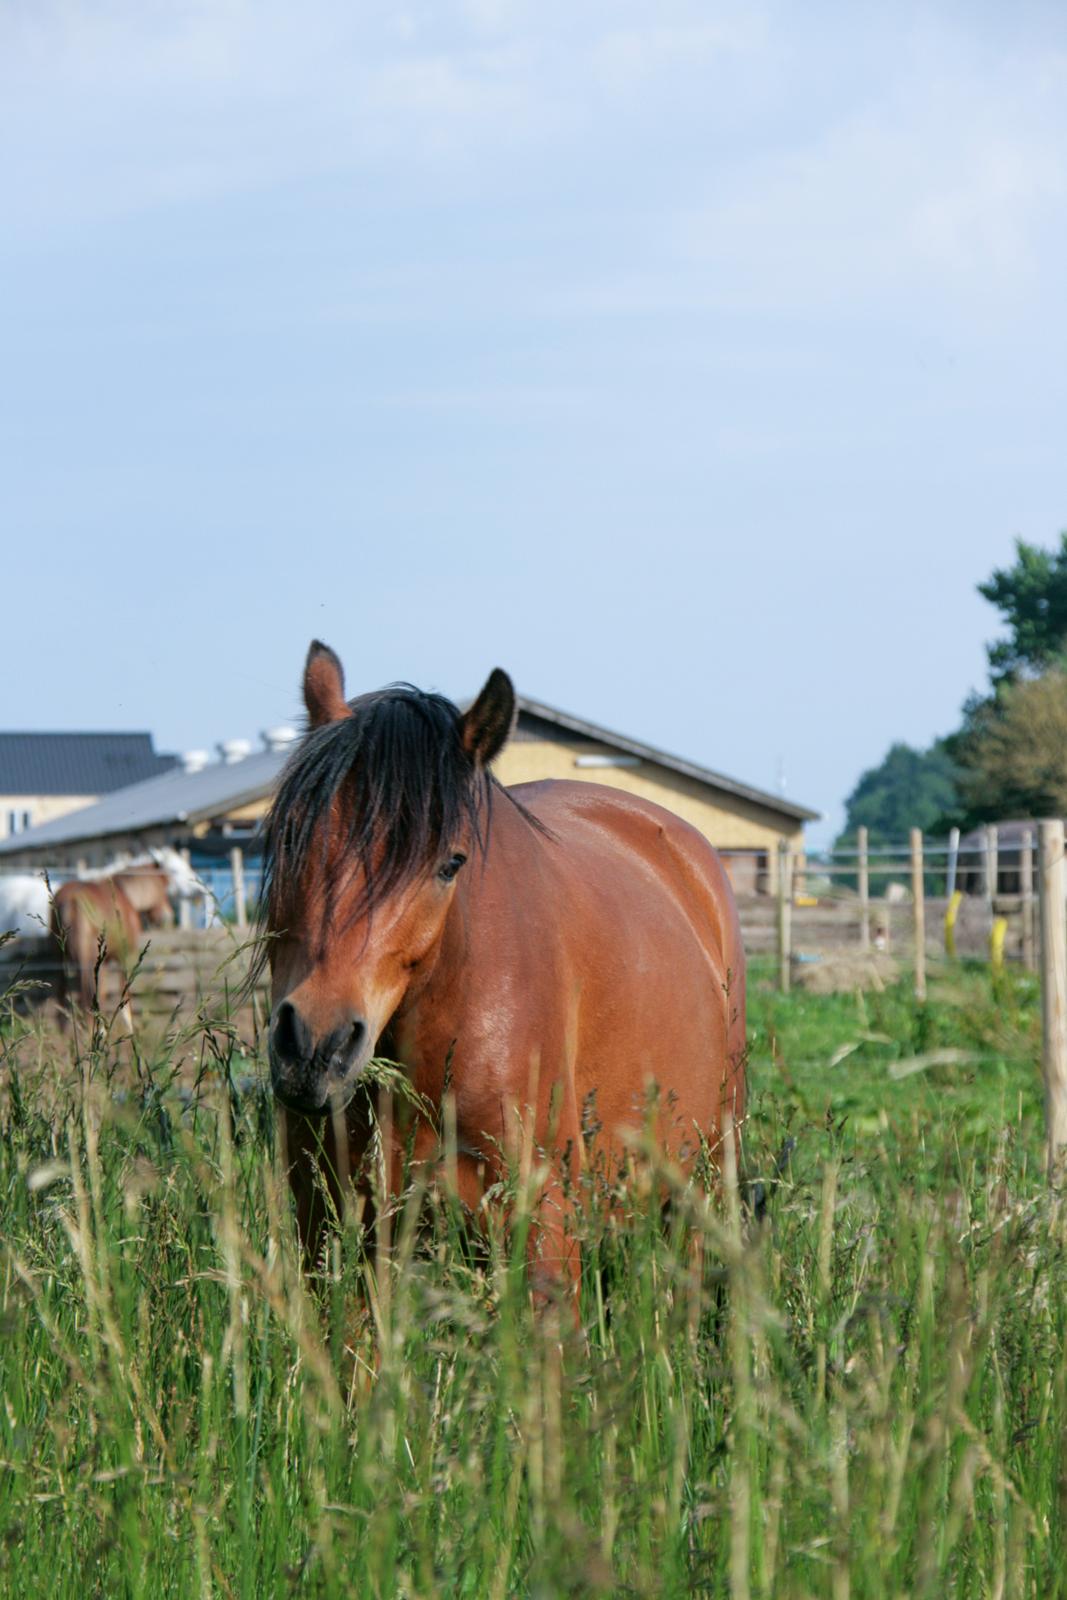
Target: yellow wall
pixel 728 821
pixel 42 807
pixel 250 813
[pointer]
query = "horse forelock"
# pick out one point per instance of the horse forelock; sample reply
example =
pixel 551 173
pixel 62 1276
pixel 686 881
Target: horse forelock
pixel 377 796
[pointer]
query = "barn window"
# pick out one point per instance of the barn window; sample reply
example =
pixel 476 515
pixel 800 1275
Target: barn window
pixel 607 761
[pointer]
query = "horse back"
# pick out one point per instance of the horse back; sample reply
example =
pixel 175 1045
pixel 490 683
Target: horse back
pixel 94 906
pixel 617 832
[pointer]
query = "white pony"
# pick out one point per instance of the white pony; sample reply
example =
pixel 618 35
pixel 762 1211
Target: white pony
pixel 183 881
pixel 24 904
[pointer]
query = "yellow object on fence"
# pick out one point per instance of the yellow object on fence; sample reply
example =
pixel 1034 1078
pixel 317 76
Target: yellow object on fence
pixel 996 943
pixel 950 924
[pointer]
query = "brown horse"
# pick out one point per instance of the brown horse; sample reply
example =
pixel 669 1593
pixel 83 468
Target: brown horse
pixel 82 911
pixel 549 952
pixel 147 888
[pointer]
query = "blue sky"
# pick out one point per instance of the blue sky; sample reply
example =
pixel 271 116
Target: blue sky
pixel 691 361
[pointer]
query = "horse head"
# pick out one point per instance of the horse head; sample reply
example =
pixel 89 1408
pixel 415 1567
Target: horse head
pixel 377 811
pixel 182 881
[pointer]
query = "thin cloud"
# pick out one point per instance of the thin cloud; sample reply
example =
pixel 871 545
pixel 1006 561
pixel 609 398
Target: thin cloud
pixel 109 107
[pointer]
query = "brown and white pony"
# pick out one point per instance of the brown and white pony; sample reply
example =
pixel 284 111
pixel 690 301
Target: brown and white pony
pixel 540 951
pixel 119 903
pixel 83 910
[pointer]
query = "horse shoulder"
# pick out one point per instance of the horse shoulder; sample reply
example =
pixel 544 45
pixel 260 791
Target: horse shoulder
pixel 644 887
pixel 594 818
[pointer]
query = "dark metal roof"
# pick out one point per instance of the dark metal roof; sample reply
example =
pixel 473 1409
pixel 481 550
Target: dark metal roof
pixel 77 763
pixel 565 724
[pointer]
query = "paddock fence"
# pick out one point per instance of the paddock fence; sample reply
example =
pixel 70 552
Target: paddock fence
pixel 180 975
pixel 885 904
pixel 904 900
pixel 839 913
pixel 900 903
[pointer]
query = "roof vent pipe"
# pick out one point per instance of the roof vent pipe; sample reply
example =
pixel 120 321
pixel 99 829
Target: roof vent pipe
pixel 278 738
pixel 234 750
pixel 194 760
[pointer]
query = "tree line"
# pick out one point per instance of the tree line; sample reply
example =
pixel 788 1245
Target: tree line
pixel 1008 757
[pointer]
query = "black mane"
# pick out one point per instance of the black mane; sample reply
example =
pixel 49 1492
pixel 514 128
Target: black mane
pixel 407 791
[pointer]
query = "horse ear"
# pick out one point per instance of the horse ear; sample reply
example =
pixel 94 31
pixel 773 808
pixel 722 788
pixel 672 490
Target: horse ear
pixel 324 686
pixel 485 728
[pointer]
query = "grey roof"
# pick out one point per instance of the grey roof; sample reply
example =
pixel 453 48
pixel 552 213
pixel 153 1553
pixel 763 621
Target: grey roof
pixel 77 763
pixel 175 796
pixel 647 752
pixel 191 797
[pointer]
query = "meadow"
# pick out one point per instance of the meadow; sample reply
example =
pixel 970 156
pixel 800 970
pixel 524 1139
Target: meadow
pixel 865 1394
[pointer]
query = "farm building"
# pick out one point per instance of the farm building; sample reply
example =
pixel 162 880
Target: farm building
pixel 206 806
pixel 745 823
pixel 44 776
pixel 209 808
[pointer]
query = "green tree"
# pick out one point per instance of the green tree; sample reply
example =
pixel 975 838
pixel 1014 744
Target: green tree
pixel 1009 757
pixel 1031 596
pixel 908 789
pixel 1012 751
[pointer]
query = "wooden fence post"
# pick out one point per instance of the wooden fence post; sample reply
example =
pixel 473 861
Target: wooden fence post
pixel 237 867
pixel 952 864
pixel 992 863
pixel 1026 888
pixel 865 890
pixel 1053 985
pixel 918 899
pixel 785 908
pixel 185 905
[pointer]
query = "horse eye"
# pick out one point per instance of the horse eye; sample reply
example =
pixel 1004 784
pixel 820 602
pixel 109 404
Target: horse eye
pixel 451 867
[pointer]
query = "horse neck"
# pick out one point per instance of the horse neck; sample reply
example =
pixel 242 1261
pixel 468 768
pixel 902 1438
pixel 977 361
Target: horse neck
pixel 490 884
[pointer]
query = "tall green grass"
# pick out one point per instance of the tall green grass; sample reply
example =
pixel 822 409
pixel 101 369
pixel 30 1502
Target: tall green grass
pixel 866 1395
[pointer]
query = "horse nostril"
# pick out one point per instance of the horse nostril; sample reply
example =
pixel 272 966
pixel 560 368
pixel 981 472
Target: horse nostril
pixel 291 1036
pixel 343 1046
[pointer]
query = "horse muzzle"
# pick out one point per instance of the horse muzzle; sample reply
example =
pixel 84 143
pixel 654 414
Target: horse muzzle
pixel 316 1077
